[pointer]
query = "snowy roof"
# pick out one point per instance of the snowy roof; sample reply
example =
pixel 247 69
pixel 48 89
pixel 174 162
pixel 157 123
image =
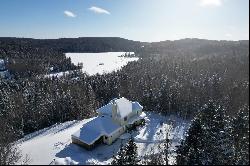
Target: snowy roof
pixel 136 106
pixel 107 109
pixel 93 130
pixel 124 107
pixel 64 161
pixel 136 118
pixel 2 66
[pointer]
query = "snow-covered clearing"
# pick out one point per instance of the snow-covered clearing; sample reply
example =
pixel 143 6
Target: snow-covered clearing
pixel 53 145
pixel 59 74
pixel 104 62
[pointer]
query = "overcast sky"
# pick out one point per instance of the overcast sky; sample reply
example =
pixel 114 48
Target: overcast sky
pixel 143 20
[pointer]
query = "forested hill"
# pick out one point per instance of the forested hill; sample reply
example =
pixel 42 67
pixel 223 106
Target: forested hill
pixel 29 57
pixel 82 44
pixel 204 80
pixel 117 44
pixel 193 47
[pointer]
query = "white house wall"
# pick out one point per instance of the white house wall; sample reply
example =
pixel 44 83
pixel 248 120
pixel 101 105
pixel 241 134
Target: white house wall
pixel 115 135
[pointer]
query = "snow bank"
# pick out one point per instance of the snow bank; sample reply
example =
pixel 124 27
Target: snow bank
pixel 64 161
pixel 125 136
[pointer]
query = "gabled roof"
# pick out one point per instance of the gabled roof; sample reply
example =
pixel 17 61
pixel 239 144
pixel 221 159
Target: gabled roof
pixel 104 124
pixel 106 110
pixel 93 130
pixel 2 65
pixel 136 118
pixel 124 107
pixel 136 106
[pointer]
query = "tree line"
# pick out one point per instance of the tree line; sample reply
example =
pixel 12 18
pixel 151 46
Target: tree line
pixel 170 78
pixel 212 139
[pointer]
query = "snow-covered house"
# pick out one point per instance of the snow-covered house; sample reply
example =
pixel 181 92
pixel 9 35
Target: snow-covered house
pixel 2 65
pixel 113 120
pixel 4 73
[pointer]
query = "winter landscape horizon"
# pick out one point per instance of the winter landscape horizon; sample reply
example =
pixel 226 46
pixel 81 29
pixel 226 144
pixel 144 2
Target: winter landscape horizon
pixel 124 82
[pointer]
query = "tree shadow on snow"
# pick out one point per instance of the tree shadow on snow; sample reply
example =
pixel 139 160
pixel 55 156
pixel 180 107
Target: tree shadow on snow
pixel 101 152
pixel 150 131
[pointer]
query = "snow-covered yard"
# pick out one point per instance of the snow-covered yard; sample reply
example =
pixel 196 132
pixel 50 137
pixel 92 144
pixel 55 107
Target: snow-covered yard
pixel 53 145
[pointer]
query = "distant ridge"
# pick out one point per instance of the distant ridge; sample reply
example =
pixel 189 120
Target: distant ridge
pixel 110 44
pixel 81 44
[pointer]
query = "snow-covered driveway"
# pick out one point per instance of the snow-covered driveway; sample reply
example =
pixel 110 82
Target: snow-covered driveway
pixel 53 145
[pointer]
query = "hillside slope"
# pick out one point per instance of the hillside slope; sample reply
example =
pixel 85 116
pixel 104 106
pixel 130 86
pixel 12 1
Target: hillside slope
pixel 53 145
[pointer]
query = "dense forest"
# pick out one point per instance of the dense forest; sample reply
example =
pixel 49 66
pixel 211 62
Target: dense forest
pixel 82 44
pixel 203 80
pixel 30 57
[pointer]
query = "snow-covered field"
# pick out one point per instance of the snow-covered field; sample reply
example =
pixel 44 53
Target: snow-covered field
pixel 53 145
pixel 105 62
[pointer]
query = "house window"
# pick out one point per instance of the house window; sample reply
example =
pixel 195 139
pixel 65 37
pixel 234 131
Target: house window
pixel 125 118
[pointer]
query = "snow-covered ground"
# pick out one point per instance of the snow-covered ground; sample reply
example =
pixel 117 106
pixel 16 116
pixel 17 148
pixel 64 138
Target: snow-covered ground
pixel 59 74
pixel 105 62
pixel 53 145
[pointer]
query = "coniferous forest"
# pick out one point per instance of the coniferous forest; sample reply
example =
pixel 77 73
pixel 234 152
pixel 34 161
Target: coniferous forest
pixel 202 80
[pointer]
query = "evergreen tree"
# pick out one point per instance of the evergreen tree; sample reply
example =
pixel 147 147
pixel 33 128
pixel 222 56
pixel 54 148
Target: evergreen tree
pixel 120 158
pixel 131 155
pixel 212 124
pixel 127 155
pixel 209 140
pixel 218 138
pixel 9 152
pixel 166 147
pixel 152 158
pixel 190 150
pixel 165 96
pixel 241 137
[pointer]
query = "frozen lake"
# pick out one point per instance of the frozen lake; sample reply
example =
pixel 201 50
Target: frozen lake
pixel 105 62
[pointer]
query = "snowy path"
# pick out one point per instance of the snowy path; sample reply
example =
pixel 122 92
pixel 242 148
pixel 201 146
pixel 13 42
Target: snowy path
pixel 138 140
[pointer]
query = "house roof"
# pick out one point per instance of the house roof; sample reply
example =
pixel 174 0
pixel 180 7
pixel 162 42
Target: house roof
pixel 124 107
pixel 107 109
pixel 136 118
pixel 93 130
pixel 136 106
pixel 2 65
pixel 104 124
